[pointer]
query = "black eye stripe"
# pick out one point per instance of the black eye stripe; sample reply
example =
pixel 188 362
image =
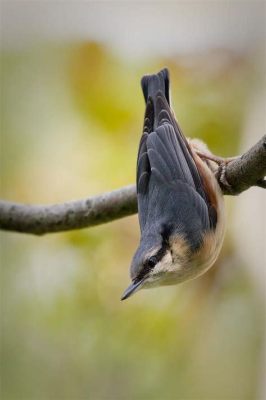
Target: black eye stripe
pixel 152 261
pixel 147 266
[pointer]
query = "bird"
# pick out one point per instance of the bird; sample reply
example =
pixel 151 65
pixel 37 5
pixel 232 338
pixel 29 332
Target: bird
pixel 180 204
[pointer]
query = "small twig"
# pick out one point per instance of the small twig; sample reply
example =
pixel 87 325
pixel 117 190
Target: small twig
pixel 234 176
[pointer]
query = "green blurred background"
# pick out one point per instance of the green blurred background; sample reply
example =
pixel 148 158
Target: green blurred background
pixel 71 118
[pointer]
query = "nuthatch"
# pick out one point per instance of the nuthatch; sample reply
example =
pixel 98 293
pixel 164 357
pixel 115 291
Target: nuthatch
pixel 180 204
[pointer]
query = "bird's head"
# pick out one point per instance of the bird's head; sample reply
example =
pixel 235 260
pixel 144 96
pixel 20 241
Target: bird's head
pixel 158 261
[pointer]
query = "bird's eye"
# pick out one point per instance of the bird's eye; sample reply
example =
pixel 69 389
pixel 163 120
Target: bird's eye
pixel 152 261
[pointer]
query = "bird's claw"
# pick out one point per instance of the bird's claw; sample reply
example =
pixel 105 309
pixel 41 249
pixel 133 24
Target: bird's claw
pixel 222 179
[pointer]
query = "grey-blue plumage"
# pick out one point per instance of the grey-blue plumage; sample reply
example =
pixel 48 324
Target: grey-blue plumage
pixel 167 176
pixel 180 204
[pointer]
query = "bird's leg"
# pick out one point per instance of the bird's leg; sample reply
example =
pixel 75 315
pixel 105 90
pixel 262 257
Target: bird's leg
pixel 218 160
pixel 203 152
pixel 222 163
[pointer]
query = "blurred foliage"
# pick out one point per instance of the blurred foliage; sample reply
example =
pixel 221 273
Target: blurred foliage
pixel 71 120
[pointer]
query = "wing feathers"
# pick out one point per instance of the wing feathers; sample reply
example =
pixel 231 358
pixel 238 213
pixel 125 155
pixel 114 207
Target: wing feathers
pixel 158 163
pixel 166 171
pixel 162 168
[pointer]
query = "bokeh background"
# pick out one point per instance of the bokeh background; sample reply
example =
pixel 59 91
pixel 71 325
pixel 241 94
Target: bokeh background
pixel 71 119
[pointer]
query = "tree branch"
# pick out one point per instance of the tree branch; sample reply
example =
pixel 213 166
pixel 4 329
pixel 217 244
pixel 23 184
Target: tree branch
pixel 245 171
pixel 78 214
pixel 234 176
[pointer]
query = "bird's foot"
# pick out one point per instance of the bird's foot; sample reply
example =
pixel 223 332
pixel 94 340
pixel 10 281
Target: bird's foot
pixel 220 172
pixel 218 160
pixel 222 179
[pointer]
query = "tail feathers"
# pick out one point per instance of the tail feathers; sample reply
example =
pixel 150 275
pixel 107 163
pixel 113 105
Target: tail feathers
pixel 152 84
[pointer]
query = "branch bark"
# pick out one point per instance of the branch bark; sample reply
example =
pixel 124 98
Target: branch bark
pixel 245 171
pixel 78 214
pixel 234 176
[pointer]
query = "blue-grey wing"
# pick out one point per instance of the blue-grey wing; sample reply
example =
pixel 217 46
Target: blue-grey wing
pixel 168 183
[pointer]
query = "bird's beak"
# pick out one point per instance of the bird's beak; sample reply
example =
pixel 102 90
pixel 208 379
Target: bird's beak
pixel 133 288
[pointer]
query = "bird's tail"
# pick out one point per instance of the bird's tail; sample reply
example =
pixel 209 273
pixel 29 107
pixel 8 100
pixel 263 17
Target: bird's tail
pixel 156 93
pixel 153 84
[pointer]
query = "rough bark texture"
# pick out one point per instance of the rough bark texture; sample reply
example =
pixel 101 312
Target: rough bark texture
pixel 246 171
pixel 78 214
pixel 234 176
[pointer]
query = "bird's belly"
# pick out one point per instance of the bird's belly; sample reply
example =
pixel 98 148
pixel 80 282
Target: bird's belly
pixel 196 265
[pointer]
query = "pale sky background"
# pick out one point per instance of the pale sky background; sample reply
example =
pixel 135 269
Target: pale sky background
pixel 137 28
